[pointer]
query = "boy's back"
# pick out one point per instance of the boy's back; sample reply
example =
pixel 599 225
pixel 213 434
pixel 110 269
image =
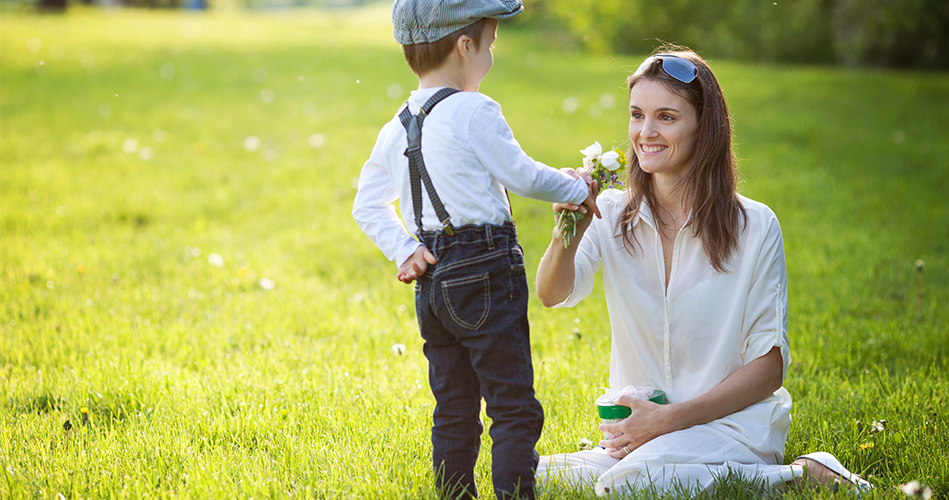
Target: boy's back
pixel 471 156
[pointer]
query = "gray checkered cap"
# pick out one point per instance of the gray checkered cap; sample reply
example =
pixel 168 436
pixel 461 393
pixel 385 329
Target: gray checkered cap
pixel 425 21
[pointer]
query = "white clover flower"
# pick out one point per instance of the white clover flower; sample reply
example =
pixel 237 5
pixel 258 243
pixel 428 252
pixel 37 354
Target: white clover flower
pixel 267 284
pixel 594 153
pixel 398 349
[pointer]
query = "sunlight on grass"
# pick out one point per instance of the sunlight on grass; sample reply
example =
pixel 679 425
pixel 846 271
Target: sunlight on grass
pixel 178 257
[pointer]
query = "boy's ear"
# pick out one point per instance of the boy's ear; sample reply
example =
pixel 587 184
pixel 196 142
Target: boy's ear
pixel 464 45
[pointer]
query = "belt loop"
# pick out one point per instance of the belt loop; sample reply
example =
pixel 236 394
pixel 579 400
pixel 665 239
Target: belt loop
pixel 488 235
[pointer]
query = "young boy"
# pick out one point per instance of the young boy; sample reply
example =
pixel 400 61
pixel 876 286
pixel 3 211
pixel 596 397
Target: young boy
pixel 471 290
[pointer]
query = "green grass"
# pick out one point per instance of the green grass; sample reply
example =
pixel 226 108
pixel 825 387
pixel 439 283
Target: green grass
pixel 199 383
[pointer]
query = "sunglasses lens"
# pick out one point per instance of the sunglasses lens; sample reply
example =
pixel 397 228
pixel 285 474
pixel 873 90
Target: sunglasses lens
pixel 680 69
pixel 676 67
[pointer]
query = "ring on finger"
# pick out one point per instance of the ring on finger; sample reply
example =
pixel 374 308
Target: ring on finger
pixel 626 450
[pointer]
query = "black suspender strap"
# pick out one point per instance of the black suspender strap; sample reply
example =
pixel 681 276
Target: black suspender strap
pixel 417 172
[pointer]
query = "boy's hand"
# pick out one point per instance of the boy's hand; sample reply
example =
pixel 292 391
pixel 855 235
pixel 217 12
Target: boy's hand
pixel 416 265
pixel 589 204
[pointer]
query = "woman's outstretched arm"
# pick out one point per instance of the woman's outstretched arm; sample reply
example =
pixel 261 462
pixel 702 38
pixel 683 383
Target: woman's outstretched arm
pixel 556 274
pixel 744 387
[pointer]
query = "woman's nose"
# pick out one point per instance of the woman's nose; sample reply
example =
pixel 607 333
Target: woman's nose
pixel 649 129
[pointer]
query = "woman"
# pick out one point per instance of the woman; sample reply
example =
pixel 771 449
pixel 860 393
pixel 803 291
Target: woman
pixel 695 283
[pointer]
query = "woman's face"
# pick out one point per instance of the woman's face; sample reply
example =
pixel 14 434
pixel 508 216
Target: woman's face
pixel 661 128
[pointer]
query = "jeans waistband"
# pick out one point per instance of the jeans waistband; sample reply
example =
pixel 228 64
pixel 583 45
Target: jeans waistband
pixel 471 233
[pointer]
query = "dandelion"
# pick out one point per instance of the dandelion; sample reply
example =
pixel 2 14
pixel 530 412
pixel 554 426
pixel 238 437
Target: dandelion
pixel 585 444
pixel 866 446
pixel 267 284
pixel 317 140
pixel 252 143
pixel 914 489
pixel 244 271
pixel 216 260
pixel 601 489
pixel 130 146
pixel 80 269
pixel 85 415
pixel 398 349
pixel 146 153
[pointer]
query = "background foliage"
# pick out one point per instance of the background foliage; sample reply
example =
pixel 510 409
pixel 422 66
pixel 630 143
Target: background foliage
pixel 898 33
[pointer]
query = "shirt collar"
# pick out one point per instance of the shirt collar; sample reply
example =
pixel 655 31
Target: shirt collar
pixel 645 214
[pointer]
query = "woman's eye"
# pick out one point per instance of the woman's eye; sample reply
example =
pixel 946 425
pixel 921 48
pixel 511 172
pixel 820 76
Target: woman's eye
pixel 667 118
pixel 636 114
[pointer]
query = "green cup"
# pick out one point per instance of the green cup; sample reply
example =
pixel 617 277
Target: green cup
pixel 610 413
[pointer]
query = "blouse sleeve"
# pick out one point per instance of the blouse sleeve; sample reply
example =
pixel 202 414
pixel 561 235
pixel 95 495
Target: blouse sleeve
pixel 586 264
pixel 766 316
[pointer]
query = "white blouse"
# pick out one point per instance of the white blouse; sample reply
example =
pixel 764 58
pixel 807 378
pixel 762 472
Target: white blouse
pixel 686 338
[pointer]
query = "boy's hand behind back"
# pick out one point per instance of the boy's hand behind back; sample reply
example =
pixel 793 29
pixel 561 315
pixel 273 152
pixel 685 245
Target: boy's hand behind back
pixel 416 265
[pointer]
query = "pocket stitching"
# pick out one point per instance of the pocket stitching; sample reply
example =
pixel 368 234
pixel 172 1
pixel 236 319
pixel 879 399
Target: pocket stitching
pixel 487 299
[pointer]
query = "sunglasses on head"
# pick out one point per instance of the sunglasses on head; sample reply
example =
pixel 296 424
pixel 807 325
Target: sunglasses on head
pixel 674 66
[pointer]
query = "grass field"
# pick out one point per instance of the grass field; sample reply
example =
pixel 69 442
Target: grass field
pixel 182 280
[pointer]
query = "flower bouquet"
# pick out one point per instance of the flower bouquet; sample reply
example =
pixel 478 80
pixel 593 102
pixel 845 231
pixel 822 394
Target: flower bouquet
pixel 607 169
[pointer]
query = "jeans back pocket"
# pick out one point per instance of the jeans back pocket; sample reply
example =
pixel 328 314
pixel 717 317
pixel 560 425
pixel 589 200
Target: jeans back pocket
pixel 468 300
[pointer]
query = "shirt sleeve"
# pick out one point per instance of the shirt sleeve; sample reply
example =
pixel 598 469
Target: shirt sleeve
pixel 493 142
pixel 375 212
pixel 585 264
pixel 766 316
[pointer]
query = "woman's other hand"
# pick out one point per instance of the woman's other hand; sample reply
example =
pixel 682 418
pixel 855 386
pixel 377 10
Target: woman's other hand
pixel 647 422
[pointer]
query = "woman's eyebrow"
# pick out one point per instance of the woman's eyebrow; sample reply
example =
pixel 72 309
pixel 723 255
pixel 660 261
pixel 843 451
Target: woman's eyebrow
pixel 674 110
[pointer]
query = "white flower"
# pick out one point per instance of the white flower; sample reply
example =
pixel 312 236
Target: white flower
pixel 594 153
pixel 608 159
pixel 267 284
pixel 398 349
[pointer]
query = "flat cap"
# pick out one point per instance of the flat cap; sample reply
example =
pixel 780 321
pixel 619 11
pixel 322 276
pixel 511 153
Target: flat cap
pixel 426 21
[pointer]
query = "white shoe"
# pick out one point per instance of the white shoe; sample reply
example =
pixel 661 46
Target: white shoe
pixel 834 465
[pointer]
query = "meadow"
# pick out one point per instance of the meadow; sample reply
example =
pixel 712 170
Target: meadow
pixel 181 279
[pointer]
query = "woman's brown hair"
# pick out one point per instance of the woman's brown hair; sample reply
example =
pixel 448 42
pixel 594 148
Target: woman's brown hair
pixel 710 183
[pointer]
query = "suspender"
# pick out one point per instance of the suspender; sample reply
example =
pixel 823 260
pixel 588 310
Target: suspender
pixel 417 172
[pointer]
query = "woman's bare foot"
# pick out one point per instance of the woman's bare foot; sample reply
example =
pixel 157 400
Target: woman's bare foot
pixel 817 474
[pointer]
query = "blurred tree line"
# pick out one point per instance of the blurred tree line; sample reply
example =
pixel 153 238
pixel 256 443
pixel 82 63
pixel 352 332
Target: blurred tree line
pixel 895 33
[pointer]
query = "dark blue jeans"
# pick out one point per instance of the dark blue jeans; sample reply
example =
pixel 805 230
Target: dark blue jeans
pixel 472 313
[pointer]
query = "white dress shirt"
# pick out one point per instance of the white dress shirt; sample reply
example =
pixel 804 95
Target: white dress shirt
pixel 471 156
pixel 685 339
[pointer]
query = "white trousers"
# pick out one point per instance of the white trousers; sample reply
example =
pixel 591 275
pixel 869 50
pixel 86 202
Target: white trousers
pixel 688 459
